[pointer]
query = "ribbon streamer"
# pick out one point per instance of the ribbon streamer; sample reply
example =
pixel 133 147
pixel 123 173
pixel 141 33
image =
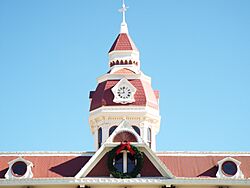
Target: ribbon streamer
pixel 125 145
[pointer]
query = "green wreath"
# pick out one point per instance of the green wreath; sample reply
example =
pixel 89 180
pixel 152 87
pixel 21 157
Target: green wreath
pixel 136 154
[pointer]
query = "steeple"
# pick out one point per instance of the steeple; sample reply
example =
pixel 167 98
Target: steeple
pixel 124 26
pixel 123 52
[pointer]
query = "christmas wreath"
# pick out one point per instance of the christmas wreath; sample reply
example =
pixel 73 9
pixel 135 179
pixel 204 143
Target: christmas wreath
pixel 134 152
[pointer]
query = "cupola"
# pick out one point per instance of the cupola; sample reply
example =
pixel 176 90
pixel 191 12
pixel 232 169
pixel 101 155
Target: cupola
pixel 124 93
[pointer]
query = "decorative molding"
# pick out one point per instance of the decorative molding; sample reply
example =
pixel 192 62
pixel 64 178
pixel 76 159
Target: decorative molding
pixel 139 76
pixel 136 111
pixel 124 126
pixel 132 55
pixel 132 181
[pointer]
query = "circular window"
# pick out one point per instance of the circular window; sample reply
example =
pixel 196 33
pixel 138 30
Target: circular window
pixel 229 168
pixel 19 168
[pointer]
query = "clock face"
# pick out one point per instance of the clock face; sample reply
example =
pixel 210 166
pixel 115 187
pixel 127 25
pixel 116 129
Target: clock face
pixel 124 92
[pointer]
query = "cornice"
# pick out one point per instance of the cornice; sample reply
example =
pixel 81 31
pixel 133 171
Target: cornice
pixel 132 181
pixel 140 76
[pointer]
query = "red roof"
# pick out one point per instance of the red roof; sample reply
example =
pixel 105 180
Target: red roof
pixel 123 42
pixel 201 166
pixel 49 166
pixel 180 165
pixel 103 95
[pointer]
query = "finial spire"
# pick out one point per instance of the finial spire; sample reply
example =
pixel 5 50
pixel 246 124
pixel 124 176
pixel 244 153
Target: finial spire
pixel 124 27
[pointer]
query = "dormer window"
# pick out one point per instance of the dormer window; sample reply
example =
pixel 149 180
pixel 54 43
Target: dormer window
pixel 19 169
pixel 229 168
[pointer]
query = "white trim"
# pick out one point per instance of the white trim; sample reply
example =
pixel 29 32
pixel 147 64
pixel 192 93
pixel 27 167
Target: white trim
pixel 109 144
pixel 131 181
pixel 139 76
pixel 121 109
pixel 158 153
pixel 92 162
pixel 132 68
pixel 124 126
pixel 161 167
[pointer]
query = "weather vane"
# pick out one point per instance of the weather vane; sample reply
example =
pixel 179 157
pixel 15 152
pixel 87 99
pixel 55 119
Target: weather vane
pixel 123 10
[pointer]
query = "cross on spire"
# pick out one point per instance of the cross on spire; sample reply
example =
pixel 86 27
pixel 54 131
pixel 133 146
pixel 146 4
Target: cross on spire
pixel 124 27
pixel 123 10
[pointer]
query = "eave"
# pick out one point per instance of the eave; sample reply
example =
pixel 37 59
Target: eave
pixel 133 181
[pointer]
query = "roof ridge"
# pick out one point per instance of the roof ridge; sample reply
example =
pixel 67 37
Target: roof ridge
pixel 202 153
pixel 46 153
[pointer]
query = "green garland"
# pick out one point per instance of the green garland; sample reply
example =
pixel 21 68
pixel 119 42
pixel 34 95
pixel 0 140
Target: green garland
pixel 138 156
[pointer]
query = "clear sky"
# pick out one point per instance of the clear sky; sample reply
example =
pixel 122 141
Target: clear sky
pixel 196 51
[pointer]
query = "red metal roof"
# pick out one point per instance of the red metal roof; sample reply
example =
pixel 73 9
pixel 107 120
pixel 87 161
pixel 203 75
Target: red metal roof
pixel 181 166
pixel 49 166
pixel 123 42
pixel 201 166
pixel 103 95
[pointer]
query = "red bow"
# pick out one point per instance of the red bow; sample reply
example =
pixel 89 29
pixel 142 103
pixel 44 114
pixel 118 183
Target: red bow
pixel 123 146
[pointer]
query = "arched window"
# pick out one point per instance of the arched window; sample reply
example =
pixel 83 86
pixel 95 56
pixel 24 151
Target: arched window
pixel 99 137
pixel 112 129
pixel 149 137
pixel 137 130
pixel 125 136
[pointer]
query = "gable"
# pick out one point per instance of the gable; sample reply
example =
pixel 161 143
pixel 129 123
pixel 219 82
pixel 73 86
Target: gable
pixel 101 169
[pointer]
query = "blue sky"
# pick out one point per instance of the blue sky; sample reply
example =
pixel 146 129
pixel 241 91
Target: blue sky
pixel 197 53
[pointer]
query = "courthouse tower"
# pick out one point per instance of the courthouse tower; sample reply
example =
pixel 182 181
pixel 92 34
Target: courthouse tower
pixel 124 93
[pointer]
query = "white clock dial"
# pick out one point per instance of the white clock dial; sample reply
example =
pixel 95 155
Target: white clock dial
pixel 124 92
